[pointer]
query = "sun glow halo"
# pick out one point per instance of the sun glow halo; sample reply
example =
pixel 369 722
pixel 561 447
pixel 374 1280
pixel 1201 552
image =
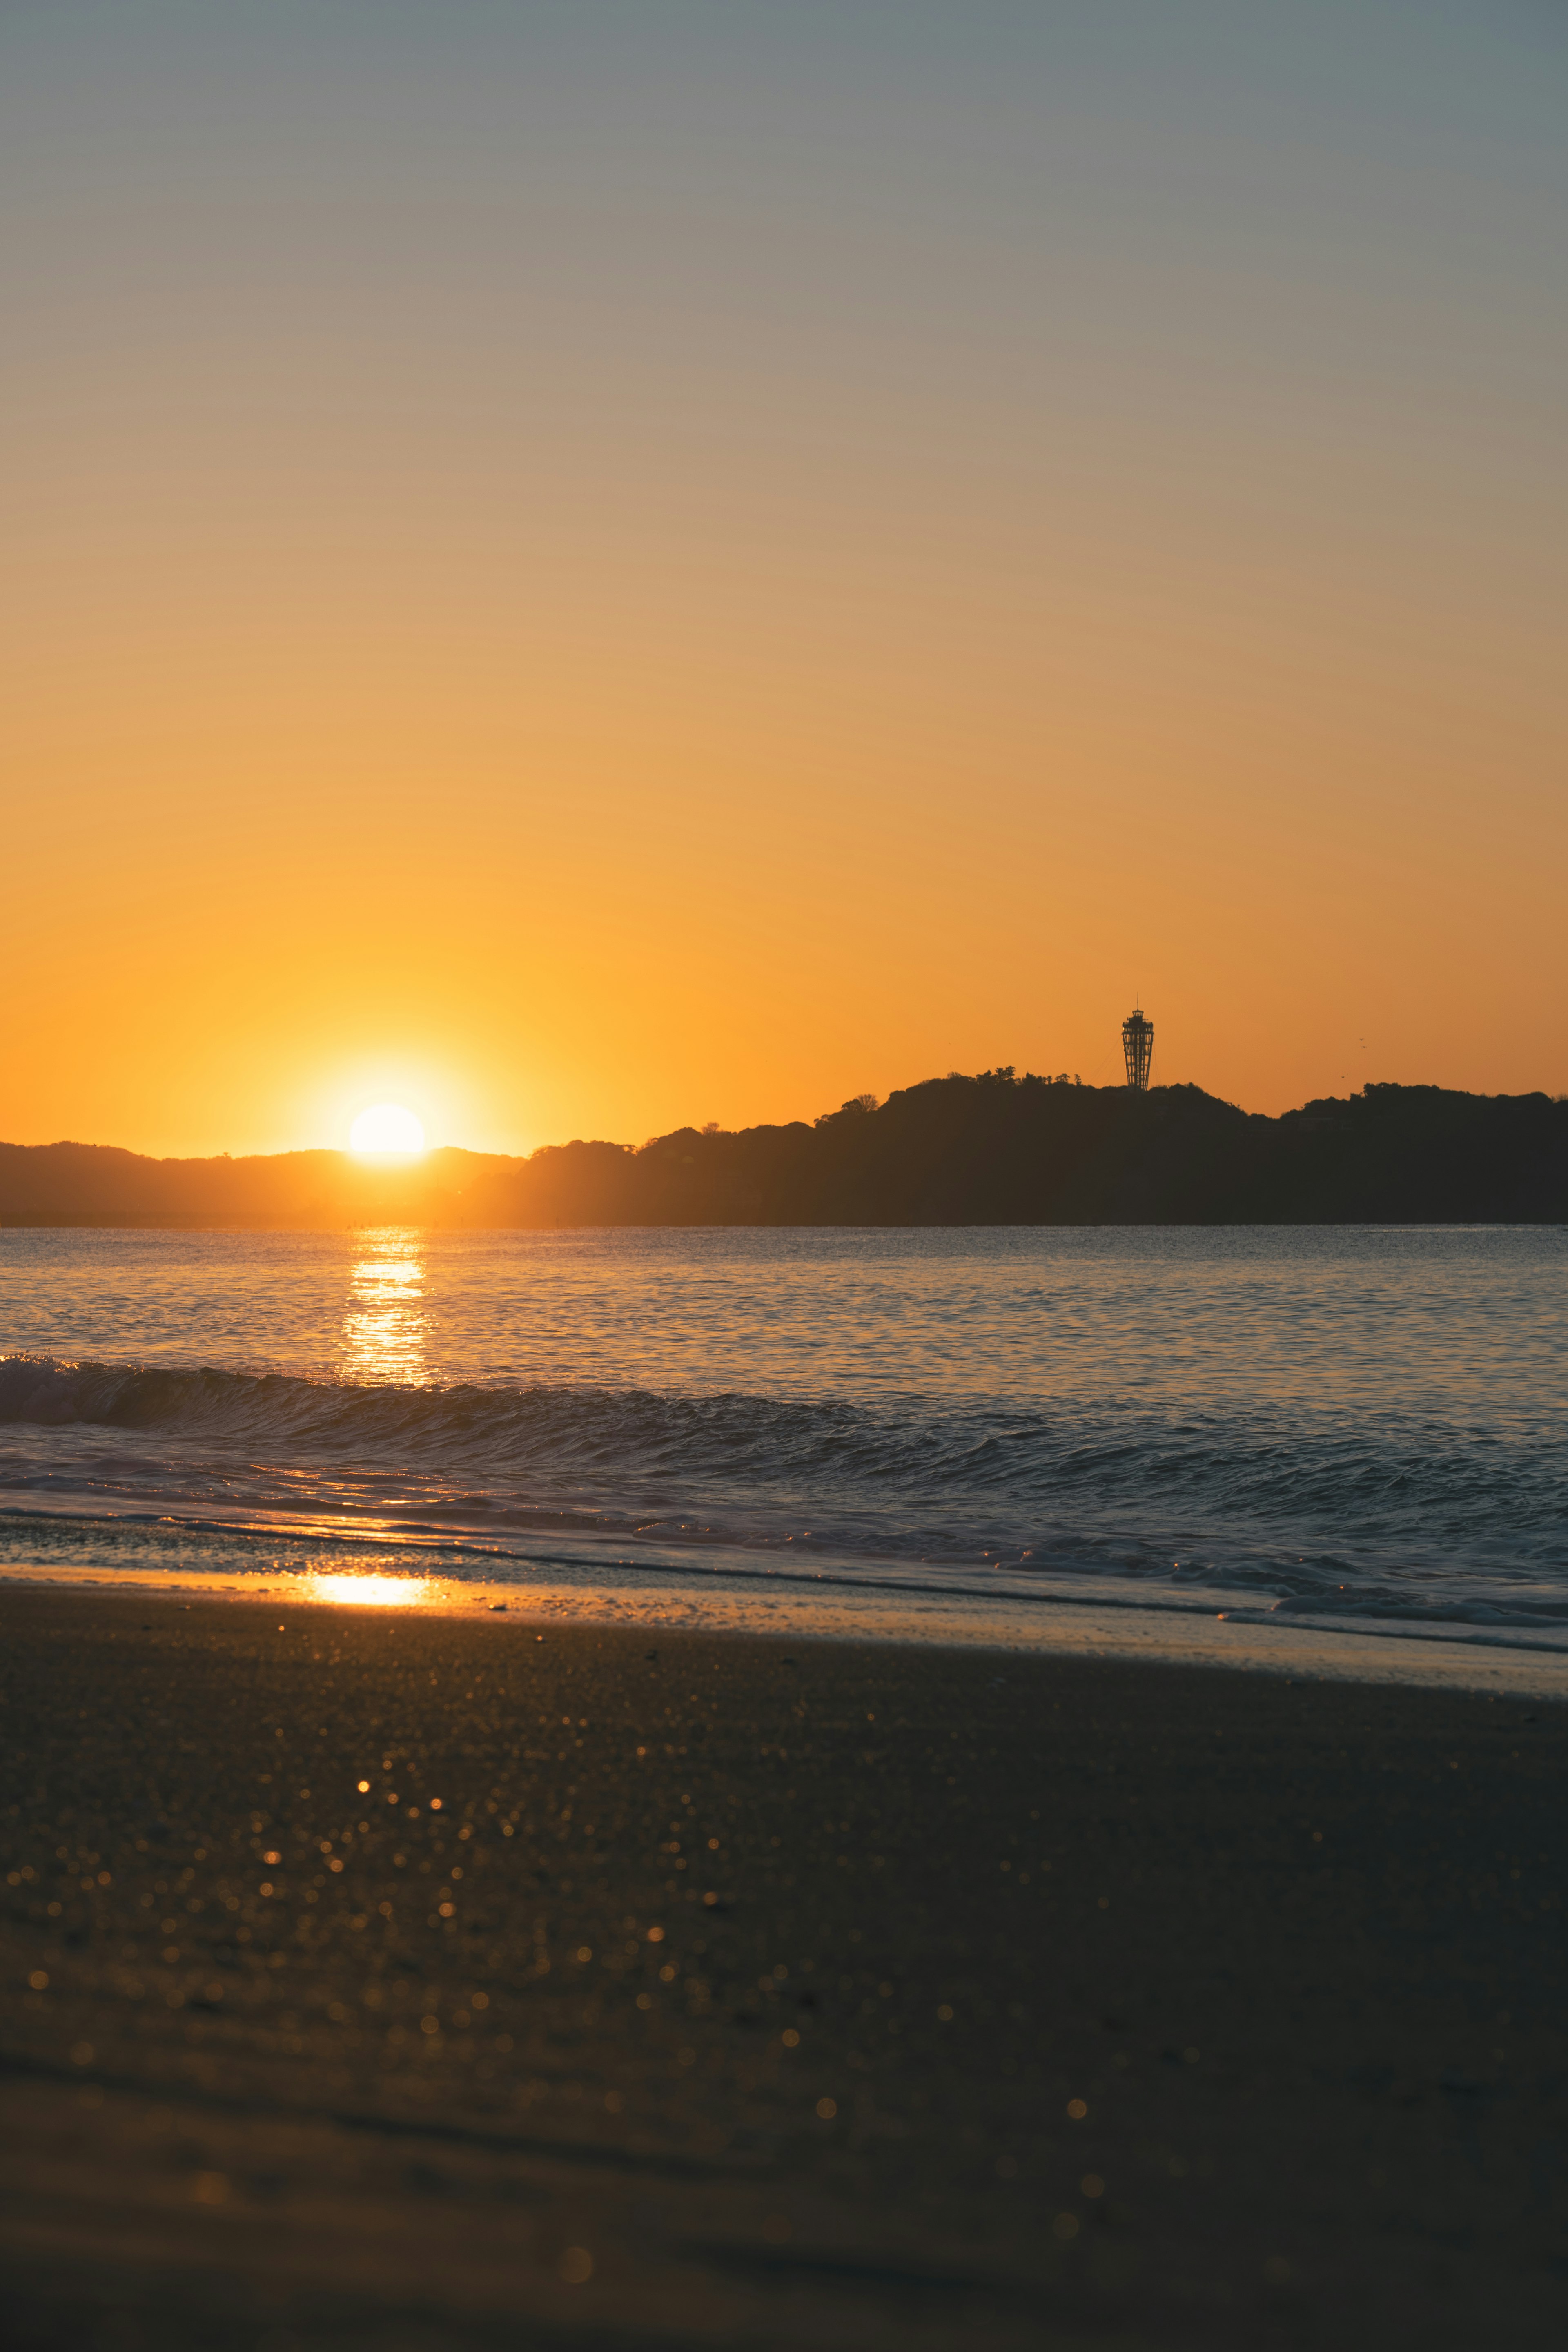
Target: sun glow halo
pixel 388 1127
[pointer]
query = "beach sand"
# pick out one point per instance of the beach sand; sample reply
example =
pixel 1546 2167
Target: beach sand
pixel 989 2000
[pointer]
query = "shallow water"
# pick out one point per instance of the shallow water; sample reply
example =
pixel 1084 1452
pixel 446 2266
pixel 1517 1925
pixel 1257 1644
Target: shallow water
pixel 1345 1422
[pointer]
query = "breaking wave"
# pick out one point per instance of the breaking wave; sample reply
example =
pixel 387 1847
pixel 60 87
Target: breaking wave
pixel 1390 1519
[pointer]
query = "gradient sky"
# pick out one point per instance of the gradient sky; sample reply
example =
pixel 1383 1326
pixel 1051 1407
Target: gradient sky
pixel 584 564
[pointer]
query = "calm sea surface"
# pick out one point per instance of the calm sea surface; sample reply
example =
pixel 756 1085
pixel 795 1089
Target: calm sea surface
pixel 1335 1421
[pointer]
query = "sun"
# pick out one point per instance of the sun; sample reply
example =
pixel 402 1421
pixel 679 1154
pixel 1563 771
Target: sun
pixel 387 1127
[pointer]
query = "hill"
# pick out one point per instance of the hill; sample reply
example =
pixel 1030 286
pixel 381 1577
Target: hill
pixel 991 1150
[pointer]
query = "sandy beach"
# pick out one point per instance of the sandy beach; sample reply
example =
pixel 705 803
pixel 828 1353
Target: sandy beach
pixel 717 1990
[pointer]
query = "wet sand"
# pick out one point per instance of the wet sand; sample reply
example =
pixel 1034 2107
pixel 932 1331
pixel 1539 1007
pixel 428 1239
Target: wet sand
pixel 762 1992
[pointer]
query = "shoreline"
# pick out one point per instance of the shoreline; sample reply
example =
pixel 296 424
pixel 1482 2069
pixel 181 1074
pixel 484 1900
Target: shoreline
pixel 374 1977
pixel 1054 1624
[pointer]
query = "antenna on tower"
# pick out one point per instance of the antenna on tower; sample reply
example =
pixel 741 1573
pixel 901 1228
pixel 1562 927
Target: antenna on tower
pixel 1138 1048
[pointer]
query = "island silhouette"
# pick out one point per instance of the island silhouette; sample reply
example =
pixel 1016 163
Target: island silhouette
pixel 995 1148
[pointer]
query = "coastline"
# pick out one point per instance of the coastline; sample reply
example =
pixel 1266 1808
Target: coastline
pixel 1057 1624
pixel 1132 2007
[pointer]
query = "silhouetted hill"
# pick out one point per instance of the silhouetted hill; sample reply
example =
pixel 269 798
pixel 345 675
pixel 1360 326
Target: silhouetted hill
pixel 991 1150
pixel 94 1184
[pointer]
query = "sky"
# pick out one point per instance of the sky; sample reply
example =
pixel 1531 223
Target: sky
pixel 587 566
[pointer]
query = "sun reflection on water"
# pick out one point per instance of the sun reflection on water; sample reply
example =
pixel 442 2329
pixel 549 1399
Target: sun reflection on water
pixel 370 1591
pixel 384 1325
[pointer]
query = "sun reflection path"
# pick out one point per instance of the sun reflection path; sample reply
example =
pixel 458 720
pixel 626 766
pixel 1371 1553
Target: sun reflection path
pixel 385 1324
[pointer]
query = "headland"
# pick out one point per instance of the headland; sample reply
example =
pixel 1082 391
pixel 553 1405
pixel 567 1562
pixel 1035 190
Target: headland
pixel 995 1150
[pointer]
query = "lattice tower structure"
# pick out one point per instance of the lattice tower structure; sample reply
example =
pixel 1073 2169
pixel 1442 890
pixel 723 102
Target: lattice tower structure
pixel 1138 1045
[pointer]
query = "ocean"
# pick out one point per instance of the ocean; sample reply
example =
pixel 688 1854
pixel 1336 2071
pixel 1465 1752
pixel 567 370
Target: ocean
pixel 1327 1425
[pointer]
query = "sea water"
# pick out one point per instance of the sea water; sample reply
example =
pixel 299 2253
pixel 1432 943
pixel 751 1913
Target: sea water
pixel 1342 1424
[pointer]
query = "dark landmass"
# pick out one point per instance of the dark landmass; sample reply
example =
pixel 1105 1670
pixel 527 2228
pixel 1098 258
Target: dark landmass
pixel 1000 2002
pixel 995 1150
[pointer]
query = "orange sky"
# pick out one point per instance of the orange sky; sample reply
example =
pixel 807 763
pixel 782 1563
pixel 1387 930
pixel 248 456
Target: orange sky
pixel 582 589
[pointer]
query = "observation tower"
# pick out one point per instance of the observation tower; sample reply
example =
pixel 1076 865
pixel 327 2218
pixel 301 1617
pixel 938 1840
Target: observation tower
pixel 1138 1045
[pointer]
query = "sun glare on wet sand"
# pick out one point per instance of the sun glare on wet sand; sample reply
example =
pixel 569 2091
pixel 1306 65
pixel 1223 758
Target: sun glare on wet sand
pixel 388 1127
pixel 373 1591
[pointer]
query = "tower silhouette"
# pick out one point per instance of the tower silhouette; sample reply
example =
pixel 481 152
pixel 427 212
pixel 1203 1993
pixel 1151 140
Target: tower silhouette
pixel 1138 1045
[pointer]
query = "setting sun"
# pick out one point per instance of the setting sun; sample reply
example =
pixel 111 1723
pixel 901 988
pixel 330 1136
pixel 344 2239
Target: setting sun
pixel 387 1127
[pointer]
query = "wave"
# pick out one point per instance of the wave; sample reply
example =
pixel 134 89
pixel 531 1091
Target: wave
pixel 937 1450
pixel 1385 1518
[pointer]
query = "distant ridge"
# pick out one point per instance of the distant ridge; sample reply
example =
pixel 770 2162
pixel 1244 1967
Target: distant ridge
pixel 985 1150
